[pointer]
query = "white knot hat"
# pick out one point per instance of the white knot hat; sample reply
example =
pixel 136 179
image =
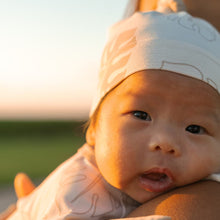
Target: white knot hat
pixel 175 42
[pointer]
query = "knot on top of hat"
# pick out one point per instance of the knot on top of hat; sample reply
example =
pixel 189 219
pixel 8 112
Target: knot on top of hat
pixel 170 6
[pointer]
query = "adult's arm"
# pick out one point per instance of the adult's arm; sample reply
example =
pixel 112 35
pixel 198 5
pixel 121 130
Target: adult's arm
pixel 193 202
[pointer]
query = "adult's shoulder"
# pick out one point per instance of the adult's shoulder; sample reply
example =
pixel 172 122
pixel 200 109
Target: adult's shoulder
pixel 192 202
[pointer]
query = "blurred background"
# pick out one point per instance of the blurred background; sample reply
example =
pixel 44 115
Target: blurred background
pixel 49 59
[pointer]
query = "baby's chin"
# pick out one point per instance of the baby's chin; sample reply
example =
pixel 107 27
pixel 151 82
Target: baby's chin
pixel 140 195
pixel 143 196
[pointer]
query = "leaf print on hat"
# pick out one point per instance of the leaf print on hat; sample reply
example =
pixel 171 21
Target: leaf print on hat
pixel 116 56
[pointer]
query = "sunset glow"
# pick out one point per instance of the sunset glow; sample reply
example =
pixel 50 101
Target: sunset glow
pixel 50 53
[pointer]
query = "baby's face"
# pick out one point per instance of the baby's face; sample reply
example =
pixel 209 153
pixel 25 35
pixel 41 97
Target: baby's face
pixel 156 131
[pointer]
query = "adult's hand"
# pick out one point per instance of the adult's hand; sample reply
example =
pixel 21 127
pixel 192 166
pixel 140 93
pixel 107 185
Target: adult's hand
pixel 23 187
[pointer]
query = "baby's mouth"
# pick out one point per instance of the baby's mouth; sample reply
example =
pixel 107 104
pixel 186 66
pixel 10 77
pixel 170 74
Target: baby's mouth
pixel 156 180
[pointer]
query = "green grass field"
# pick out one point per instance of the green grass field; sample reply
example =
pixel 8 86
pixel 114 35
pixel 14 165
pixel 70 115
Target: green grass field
pixel 36 148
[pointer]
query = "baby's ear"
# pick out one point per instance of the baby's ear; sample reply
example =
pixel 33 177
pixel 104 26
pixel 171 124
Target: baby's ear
pixel 90 135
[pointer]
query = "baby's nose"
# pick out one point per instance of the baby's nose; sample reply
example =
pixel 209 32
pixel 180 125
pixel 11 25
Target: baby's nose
pixel 164 148
pixel 165 143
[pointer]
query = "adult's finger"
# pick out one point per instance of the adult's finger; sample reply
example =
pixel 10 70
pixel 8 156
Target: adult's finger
pixel 23 185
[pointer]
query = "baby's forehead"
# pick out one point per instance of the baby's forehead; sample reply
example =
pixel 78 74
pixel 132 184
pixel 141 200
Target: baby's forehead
pixel 157 78
pixel 166 85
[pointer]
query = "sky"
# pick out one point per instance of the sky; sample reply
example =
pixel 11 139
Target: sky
pixel 50 52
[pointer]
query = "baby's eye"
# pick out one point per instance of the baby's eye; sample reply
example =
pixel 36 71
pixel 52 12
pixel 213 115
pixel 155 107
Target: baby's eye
pixel 142 115
pixel 195 129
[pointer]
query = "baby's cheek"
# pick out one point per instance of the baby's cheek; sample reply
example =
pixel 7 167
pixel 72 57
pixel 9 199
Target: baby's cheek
pixel 216 159
pixel 213 155
pixel 106 160
pixel 114 166
pixel 208 163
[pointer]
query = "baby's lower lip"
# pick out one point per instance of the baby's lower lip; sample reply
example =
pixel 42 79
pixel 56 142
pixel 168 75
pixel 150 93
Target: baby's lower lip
pixel 156 180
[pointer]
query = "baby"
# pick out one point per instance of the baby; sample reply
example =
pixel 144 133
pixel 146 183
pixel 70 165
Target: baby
pixel 154 123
